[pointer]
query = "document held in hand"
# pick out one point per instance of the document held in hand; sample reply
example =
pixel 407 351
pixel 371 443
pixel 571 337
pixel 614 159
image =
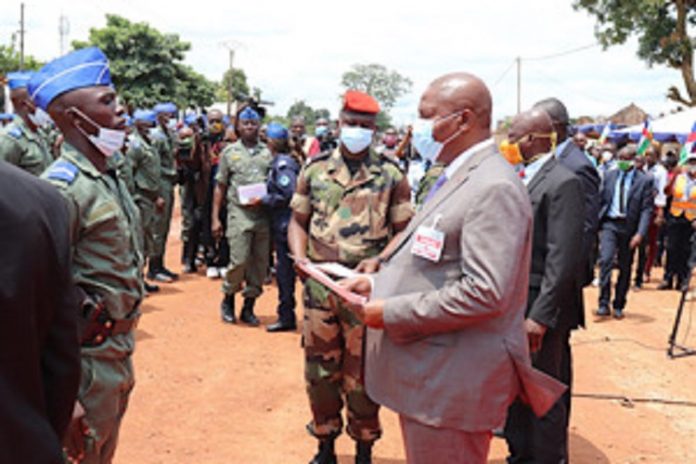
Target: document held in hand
pixel 247 192
pixel 315 271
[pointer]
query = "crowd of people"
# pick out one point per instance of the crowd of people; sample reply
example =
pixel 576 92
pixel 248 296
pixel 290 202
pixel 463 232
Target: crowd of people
pixel 466 259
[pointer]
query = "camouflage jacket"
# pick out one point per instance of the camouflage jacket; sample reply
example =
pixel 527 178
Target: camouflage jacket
pixel 24 148
pixel 107 255
pixel 351 217
pixel 427 182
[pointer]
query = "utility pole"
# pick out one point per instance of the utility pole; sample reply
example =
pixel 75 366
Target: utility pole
pixel 21 37
pixel 230 87
pixel 519 85
pixel 63 31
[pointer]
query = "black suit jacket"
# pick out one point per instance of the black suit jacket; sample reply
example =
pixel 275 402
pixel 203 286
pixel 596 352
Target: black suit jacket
pixel 39 347
pixel 555 296
pixel 579 164
pixel 639 204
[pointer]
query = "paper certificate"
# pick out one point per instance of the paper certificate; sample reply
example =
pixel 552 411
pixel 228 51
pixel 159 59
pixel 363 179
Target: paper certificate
pixel 337 270
pixel 248 192
pixel 314 271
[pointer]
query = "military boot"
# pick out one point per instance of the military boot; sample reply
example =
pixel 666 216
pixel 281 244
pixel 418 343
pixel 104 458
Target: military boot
pixel 363 452
pixel 188 258
pixel 326 453
pixel 227 309
pixel 247 315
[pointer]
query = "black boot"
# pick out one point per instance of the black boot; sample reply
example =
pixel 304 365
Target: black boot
pixel 184 251
pixel 363 452
pixel 247 315
pixel 156 271
pixel 326 453
pixel 188 258
pixel 227 309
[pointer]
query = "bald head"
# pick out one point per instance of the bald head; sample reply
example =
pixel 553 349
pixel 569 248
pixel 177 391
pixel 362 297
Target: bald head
pixel 532 130
pixel 459 104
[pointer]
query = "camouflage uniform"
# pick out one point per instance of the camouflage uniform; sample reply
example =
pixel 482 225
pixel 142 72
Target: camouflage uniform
pixel 248 229
pixel 106 264
pixel 351 218
pixel 427 182
pixel 24 148
pixel 163 141
pixel 145 164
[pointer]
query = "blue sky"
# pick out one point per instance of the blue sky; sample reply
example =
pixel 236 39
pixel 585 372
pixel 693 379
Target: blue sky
pixel 298 50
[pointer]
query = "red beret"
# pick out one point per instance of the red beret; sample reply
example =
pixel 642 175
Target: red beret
pixel 360 102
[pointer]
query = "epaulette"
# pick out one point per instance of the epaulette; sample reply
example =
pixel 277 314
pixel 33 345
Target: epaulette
pixel 63 170
pixel 323 156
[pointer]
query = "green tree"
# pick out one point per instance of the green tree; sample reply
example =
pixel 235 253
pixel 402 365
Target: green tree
pixel 9 61
pixel 662 28
pixel 147 65
pixel 322 113
pixel 239 85
pixel 385 85
pixel 300 108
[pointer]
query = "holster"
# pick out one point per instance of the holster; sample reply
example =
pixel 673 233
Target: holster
pixel 96 325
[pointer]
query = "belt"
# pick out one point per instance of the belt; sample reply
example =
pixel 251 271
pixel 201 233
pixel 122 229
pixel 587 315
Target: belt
pixel 99 325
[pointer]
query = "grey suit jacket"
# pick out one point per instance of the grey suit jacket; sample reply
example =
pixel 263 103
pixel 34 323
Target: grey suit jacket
pixel 454 352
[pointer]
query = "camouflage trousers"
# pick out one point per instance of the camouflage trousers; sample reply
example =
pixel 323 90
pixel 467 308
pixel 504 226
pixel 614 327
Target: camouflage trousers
pixel 333 344
pixel 105 387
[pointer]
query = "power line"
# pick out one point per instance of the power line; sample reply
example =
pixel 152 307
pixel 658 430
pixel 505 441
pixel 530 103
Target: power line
pixel 560 54
pixel 505 73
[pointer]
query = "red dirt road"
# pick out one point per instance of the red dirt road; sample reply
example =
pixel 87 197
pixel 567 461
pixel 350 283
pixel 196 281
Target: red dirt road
pixel 212 393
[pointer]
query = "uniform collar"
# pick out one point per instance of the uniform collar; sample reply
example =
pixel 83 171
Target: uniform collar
pixel 338 169
pixel 78 159
pixel 22 125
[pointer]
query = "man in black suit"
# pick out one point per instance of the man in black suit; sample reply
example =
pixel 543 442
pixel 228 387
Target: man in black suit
pixel 39 347
pixel 552 308
pixel 625 211
pixel 573 158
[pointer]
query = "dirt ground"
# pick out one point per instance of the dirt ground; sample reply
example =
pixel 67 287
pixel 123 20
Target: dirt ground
pixel 212 393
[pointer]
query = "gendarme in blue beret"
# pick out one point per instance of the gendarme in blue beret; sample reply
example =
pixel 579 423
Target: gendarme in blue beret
pixel 276 131
pixel 145 115
pixel 87 67
pixel 18 79
pixel 249 113
pixel 164 108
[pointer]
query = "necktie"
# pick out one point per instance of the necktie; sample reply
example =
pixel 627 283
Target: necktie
pixel 622 199
pixel 436 186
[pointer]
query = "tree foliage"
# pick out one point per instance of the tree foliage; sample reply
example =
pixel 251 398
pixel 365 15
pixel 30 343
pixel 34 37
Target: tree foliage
pixel 9 61
pixel 239 85
pixel 147 65
pixel 375 79
pixel 310 115
pixel 662 28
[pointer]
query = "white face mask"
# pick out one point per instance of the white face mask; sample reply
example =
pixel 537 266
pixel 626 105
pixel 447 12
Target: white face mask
pixel 425 143
pixel 40 118
pixel 356 139
pixel 107 141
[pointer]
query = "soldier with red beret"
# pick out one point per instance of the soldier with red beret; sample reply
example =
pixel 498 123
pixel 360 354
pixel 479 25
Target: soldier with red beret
pixel 348 204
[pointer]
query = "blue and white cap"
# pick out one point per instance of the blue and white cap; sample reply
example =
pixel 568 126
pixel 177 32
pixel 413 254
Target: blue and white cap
pixel 19 79
pixel 87 67
pixel 249 113
pixel 168 107
pixel 144 116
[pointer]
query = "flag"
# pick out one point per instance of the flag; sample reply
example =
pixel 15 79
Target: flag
pixel 605 134
pixel 646 138
pixel 689 146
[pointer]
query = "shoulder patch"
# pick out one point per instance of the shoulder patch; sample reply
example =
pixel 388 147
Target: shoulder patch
pixel 63 170
pixel 15 132
pixel 284 181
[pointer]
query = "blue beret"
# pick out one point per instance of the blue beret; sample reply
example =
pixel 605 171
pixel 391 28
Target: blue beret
pixel 144 115
pixel 6 116
pixel 164 108
pixel 190 119
pixel 249 113
pixel 19 79
pixel 276 131
pixel 87 67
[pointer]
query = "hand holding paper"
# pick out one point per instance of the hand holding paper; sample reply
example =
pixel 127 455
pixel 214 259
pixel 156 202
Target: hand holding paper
pixel 248 193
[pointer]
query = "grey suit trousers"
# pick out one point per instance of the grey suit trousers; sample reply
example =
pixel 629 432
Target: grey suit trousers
pixel 430 445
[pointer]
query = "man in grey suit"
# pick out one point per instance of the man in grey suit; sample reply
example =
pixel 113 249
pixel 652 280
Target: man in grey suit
pixel 446 346
pixel 552 309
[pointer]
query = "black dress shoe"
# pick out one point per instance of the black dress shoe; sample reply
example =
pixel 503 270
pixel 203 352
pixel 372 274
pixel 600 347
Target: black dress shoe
pixel 280 326
pixel 227 309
